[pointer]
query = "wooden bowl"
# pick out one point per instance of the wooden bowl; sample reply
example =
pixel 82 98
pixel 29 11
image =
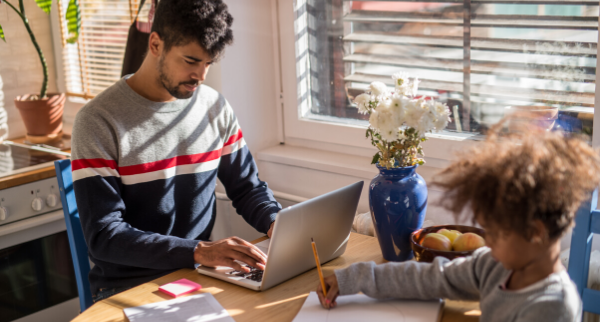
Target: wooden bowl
pixel 423 254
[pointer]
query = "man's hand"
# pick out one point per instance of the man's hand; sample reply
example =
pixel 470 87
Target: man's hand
pixel 226 251
pixel 270 232
pixel 333 291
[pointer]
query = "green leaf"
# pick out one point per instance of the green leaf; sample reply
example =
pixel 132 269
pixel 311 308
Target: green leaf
pixel 375 158
pixel 73 21
pixel 44 5
pixel 2 34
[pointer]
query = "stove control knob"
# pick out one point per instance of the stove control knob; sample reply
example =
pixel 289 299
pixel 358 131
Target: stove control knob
pixel 51 200
pixel 37 204
pixel 3 213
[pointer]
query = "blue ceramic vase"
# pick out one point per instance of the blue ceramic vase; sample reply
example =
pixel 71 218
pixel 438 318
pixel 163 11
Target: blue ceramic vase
pixel 398 201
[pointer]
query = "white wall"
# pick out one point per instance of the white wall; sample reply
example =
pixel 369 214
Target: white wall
pixel 248 72
pixel 20 67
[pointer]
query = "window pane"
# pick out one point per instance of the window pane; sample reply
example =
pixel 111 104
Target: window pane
pixel 513 56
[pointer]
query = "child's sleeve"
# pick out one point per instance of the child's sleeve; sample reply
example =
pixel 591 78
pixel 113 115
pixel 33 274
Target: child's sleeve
pixel 457 279
pixel 549 309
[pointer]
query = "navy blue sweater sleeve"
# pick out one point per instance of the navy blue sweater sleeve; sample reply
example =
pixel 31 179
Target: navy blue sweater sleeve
pixel 238 172
pixel 250 196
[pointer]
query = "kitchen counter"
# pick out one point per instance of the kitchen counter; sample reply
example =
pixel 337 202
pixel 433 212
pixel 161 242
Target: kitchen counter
pixel 29 176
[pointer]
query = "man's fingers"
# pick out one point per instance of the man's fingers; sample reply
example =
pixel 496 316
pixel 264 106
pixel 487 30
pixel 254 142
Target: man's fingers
pixel 235 265
pixel 251 251
pixel 246 259
pixel 252 247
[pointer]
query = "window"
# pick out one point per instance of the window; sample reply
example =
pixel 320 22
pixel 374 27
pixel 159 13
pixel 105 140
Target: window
pixel 94 62
pixel 482 58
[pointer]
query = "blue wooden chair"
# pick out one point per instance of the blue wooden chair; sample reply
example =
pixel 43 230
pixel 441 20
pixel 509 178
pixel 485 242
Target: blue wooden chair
pixel 587 223
pixel 79 249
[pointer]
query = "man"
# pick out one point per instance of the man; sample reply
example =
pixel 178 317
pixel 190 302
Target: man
pixel 148 150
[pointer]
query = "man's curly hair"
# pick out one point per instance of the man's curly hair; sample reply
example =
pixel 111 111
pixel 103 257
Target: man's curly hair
pixel 508 182
pixel 179 22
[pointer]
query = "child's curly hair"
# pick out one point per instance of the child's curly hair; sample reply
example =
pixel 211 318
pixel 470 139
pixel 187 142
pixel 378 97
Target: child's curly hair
pixel 510 181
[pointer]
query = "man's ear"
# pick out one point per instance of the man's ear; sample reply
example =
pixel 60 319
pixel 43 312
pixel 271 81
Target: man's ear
pixel 155 45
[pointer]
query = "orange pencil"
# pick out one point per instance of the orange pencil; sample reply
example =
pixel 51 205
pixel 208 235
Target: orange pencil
pixel 314 246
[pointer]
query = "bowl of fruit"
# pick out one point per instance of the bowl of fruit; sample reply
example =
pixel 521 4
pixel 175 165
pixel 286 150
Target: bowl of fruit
pixel 450 241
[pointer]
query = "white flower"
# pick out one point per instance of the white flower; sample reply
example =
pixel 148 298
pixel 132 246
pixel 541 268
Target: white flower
pixel 386 123
pixel 405 86
pixel 442 116
pixel 414 87
pixel 401 80
pixel 398 104
pixel 378 89
pixel 414 112
pixel 427 122
pixel 402 136
pixel 362 102
pixel 373 120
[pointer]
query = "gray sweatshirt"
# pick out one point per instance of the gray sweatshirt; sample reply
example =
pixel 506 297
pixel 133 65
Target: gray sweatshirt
pixel 478 277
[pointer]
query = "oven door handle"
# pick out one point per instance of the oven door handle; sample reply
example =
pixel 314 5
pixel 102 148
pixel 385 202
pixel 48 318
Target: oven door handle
pixel 31 222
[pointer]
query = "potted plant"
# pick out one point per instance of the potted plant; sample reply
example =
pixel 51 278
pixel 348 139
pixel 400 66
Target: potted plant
pixel 398 121
pixel 42 112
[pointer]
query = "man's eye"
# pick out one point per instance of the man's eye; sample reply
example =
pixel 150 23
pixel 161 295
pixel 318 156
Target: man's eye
pixel 190 62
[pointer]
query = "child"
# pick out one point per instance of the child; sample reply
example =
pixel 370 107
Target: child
pixel 524 191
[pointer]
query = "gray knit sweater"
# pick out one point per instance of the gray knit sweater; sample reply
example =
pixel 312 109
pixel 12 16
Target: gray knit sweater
pixel 478 277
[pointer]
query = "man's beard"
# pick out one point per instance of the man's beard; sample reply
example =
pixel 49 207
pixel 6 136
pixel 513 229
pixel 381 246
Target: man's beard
pixel 167 83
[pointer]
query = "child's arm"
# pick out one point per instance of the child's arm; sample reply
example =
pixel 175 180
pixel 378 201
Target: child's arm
pixel 456 279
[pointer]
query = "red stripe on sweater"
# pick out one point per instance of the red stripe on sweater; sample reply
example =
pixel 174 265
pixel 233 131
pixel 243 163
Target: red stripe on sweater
pixel 156 165
pixel 93 163
pixel 234 138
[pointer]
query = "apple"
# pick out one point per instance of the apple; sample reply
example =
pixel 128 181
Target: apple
pixel 467 242
pixel 451 234
pixel 436 241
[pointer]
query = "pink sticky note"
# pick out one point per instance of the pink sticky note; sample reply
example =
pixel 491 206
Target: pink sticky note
pixel 180 287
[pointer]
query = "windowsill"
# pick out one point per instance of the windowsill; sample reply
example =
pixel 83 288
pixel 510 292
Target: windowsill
pixel 334 162
pixel 353 165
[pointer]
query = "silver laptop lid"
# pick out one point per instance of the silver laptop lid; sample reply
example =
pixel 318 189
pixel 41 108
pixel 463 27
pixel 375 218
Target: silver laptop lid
pixel 327 218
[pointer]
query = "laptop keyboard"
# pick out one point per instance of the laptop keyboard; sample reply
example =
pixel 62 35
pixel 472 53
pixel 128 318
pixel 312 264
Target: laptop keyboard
pixel 255 274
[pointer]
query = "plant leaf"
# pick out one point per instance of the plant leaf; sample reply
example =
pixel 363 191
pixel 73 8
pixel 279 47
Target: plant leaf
pixel 2 32
pixel 44 5
pixel 375 158
pixel 73 17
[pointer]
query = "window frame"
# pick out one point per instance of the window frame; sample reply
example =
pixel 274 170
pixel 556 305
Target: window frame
pixel 297 129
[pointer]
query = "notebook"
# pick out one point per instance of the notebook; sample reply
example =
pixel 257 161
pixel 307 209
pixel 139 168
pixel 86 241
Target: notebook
pixel 360 307
pixel 196 308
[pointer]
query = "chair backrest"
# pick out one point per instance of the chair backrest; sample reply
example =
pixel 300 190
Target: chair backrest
pixel 79 249
pixel 587 223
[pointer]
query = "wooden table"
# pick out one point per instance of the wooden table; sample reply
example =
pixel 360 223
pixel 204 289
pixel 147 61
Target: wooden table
pixel 280 303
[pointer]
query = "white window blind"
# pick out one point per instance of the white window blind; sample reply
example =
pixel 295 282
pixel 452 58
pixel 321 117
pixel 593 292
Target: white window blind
pixel 95 61
pixel 479 56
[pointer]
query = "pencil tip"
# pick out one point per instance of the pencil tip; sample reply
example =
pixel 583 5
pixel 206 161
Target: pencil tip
pixel 312 240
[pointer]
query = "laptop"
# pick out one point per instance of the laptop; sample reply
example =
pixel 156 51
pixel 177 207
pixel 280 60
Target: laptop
pixel 327 219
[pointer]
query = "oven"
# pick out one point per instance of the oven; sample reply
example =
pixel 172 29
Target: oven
pixel 37 279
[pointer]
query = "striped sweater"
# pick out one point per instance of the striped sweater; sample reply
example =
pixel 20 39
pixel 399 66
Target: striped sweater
pixel 144 175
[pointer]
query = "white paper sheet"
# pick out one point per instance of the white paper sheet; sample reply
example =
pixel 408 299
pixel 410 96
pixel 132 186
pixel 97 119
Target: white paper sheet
pixel 196 308
pixel 362 308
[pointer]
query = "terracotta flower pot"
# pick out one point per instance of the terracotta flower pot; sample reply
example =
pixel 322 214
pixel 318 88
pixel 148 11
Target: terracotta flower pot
pixel 42 118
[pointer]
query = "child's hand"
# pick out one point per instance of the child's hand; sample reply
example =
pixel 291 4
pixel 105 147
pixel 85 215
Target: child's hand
pixel 331 284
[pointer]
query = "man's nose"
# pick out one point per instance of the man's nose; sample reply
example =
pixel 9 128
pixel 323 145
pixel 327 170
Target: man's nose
pixel 200 74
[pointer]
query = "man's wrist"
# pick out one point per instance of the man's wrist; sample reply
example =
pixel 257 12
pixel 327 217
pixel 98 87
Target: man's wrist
pixel 197 249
